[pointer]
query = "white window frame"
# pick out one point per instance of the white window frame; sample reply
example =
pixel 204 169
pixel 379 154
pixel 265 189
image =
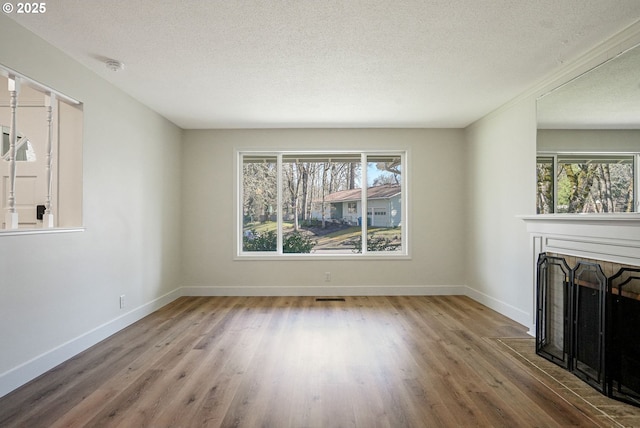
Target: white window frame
pixel 404 253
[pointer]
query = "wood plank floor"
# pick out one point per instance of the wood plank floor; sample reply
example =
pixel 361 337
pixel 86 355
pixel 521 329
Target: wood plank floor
pixel 295 362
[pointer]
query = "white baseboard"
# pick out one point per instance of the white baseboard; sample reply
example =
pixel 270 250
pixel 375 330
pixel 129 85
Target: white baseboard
pixel 346 290
pixel 501 307
pixel 33 368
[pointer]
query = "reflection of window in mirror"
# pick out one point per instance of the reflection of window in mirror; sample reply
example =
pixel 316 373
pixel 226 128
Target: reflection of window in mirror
pixel 24 148
pixel 545 194
pixel 40 178
pixel 588 141
pixel 586 183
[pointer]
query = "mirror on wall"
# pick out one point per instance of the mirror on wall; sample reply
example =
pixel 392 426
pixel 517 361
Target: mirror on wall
pixel 588 141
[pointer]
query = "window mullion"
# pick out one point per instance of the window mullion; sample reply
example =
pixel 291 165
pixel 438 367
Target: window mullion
pixel 554 172
pixel 363 197
pixel 279 182
pixel 636 179
pixel 240 206
pixel 404 202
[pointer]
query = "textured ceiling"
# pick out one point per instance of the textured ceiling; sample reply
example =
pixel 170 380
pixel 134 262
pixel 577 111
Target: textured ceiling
pixel 331 63
pixel 607 97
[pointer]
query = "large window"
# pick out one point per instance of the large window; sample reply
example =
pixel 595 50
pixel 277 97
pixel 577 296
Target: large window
pixel 313 203
pixel 583 183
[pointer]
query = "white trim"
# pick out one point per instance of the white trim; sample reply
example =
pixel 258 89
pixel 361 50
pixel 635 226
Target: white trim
pixel 279 212
pixel 636 184
pixel 7 71
pixel 364 205
pixel 33 368
pixel 405 202
pixel 272 255
pixel 504 308
pixel 579 218
pixel 615 239
pixel 323 290
pixel 14 232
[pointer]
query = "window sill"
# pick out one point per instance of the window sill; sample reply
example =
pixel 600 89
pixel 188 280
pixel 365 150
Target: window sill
pixel 315 257
pixel 16 232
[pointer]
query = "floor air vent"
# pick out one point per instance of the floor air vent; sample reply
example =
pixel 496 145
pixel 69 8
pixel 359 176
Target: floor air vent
pixel 330 299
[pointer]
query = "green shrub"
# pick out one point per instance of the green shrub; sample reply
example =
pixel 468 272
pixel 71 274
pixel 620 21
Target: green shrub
pixel 295 242
pixel 254 241
pixel 374 243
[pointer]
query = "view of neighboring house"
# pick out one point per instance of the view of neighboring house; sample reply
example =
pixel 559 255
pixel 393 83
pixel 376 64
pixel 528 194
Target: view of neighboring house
pixel 383 206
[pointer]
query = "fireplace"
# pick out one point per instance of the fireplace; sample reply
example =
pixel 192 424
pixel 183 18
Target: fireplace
pixel 587 322
pixel 586 297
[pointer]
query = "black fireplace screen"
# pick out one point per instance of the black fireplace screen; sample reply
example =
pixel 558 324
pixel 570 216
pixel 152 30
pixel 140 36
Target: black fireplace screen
pixel 589 289
pixel 624 347
pixel 553 326
pixel 588 324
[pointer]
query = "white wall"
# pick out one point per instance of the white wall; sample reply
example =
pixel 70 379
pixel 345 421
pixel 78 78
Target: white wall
pixel 502 185
pixel 437 209
pixel 589 140
pixel 502 152
pixel 59 293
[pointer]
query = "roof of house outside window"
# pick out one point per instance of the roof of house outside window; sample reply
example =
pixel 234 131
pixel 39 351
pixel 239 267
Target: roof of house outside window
pixel 386 191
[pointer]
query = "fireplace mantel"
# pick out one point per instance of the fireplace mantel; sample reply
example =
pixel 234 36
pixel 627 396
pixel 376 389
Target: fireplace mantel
pixel 607 237
pixel 586 297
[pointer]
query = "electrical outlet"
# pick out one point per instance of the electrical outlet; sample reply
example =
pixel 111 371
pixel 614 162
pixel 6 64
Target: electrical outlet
pixel 122 302
pixel 327 276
